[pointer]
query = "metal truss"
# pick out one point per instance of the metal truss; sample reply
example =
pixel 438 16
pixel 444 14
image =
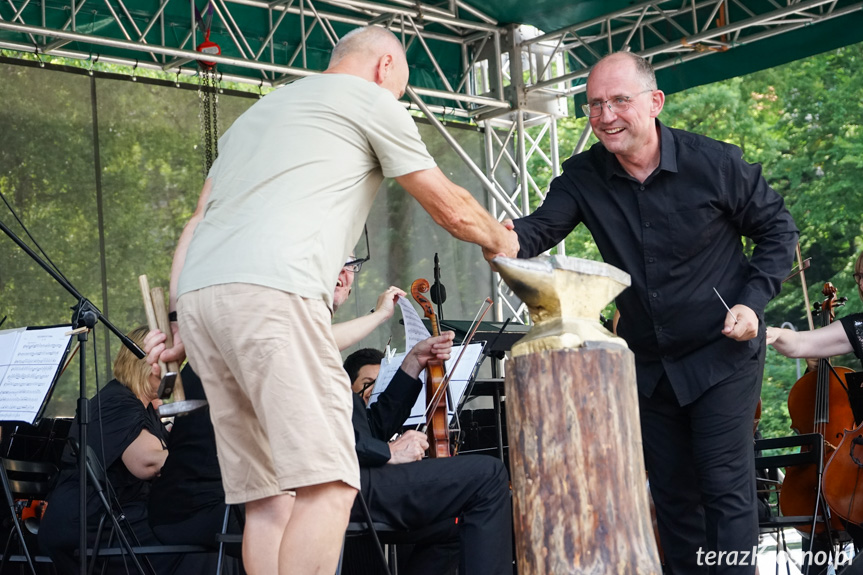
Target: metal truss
pixel 511 147
pixel 671 32
pixel 262 43
pixel 514 82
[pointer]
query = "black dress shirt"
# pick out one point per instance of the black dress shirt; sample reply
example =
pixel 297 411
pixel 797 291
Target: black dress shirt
pixel 374 425
pixel 678 234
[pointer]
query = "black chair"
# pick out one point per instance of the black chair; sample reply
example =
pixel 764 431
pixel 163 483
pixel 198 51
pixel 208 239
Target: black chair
pixel 225 539
pixel 368 527
pixel 125 536
pixel 25 483
pixel 811 452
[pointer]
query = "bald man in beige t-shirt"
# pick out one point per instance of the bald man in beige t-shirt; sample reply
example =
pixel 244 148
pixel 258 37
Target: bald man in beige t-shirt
pixel 253 272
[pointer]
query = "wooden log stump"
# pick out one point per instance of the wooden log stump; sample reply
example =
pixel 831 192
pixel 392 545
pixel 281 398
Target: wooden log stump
pixel 580 494
pixel 580 491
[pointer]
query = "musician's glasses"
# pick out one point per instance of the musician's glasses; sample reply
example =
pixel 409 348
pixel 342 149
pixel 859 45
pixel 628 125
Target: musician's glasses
pixel 355 265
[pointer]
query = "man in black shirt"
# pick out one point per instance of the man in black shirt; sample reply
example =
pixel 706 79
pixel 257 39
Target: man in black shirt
pixel 669 208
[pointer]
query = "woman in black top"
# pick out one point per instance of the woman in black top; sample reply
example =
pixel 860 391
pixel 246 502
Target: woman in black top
pixel 842 336
pixel 128 440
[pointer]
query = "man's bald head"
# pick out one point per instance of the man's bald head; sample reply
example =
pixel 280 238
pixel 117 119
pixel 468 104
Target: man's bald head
pixel 373 53
pixel 369 42
pixel 642 68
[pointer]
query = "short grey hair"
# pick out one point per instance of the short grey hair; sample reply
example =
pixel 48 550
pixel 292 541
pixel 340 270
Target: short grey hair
pixel 643 68
pixel 367 39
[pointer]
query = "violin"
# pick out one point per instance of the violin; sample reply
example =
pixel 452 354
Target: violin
pixel 831 416
pixel 437 428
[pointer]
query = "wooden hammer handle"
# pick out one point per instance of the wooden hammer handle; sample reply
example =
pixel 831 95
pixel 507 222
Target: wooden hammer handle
pixel 157 294
pixel 154 309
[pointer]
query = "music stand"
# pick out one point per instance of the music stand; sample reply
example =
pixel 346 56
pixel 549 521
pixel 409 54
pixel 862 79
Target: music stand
pixel 85 315
pixel 499 337
pixel 31 360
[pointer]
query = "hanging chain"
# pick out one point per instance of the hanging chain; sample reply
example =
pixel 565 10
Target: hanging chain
pixel 208 92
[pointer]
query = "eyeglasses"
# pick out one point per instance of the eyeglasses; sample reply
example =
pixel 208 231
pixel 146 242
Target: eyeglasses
pixel 366 386
pixel 617 105
pixel 355 265
pixel 858 277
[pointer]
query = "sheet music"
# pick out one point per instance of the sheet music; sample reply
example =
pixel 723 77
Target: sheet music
pixel 415 329
pixel 29 362
pixel 458 381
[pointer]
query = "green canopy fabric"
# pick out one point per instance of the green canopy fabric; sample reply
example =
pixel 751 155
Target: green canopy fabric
pixel 243 28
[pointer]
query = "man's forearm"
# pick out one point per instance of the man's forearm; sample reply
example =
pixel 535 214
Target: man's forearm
pixel 454 209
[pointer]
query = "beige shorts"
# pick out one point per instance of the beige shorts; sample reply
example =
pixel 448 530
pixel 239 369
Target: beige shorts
pixel 279 399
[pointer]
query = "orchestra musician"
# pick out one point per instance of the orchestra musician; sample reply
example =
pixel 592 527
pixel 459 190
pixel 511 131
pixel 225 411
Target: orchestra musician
pixel 363 367
pixel 186 505
pixel 280 210
pixel 128 441
pixel 840 337
pixel 463 503
pixel 669 207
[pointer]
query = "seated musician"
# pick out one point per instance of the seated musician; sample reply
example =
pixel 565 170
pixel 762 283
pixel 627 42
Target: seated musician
pixel 128 440
pixel 363 367
pixel 469 492
pixel 187 502
pixel 842 336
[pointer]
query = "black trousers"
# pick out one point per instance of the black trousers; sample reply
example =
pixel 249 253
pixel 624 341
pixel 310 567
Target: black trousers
pixel 470 489
pixel 701 468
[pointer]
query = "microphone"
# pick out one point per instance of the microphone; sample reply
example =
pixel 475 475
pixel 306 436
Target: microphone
pixel 438 291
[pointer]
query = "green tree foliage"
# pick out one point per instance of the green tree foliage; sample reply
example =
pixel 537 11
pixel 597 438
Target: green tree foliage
pixel 150 177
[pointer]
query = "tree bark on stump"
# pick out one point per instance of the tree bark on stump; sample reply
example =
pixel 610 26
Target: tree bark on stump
pixel 580 493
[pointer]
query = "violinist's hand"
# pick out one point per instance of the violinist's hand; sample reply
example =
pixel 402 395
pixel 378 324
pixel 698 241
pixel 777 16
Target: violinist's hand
pixel 387 301
pixel 438 347
pixel 741 324
pixel 409 447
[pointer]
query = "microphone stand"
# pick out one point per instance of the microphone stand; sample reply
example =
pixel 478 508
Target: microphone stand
pixel 85 315
pixel 438 291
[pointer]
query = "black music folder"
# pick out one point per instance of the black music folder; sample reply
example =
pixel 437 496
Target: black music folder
pixel 31 360
pixel 488 331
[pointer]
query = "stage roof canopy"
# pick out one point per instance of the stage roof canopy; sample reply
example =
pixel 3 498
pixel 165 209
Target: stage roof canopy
pixel 461 51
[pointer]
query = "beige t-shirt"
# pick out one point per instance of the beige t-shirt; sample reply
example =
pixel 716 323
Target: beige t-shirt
pixel 294 182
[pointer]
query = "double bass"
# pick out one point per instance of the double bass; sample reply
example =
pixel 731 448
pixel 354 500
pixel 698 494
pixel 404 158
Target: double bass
pixel 437 428
pixel 831 417
pixel 843 478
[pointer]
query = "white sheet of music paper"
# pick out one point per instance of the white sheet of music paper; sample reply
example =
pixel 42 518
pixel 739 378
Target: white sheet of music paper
pixel 415 329
pixel 29 362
